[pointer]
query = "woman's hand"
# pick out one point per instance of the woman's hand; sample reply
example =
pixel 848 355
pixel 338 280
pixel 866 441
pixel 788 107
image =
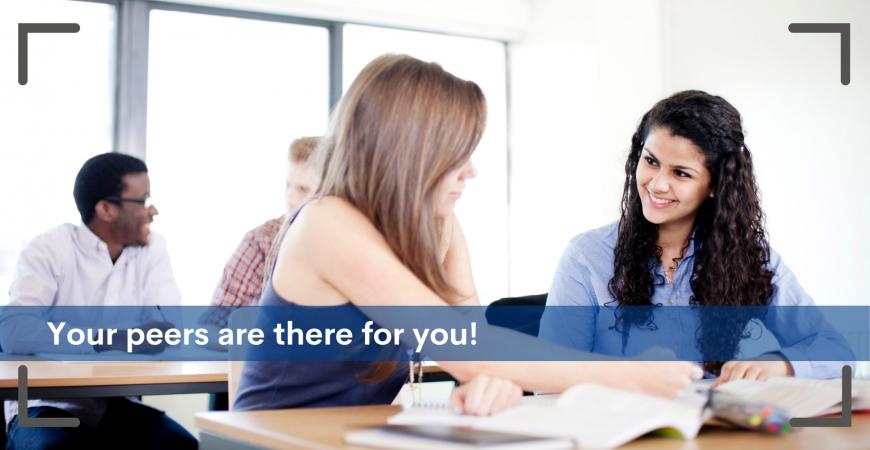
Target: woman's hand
pixel 662 378
pixel 753 370
pixel 485 395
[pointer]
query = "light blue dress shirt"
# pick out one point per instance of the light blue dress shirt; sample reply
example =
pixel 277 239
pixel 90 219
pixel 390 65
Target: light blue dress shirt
pixel 582 279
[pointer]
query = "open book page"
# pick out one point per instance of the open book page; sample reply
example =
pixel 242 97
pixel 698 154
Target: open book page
pixel 602 417
pixel 861 395
pixel 592 416
pixel 444 416
pixel 800 397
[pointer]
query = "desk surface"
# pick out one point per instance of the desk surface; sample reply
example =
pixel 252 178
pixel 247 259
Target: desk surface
pixel 324 428
pixel 65 374
pixel 56 379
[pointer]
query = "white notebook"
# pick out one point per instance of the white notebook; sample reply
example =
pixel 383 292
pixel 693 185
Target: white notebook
pixel 600 417
pixel 591 416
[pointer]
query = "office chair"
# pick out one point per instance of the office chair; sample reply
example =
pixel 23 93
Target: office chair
pixel 521 314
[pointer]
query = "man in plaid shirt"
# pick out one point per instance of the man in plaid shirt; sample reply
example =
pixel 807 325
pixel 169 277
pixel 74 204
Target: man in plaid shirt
pixel 242 281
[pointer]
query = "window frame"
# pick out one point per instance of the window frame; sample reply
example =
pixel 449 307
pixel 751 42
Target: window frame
pixel 131 73
pixel 131 61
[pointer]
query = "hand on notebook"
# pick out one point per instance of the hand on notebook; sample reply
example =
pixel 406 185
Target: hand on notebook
pixel 662 378
pixel 753 370
pixel 485 395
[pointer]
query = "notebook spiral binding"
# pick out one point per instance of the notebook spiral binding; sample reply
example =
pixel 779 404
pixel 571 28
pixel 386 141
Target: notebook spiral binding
pixel 412 392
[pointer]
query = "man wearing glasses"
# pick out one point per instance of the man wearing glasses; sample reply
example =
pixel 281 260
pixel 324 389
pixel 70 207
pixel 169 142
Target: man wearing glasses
pixel 111 259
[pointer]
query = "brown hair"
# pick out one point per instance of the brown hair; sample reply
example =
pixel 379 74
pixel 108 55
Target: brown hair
pixel 399 129
pixel 301 149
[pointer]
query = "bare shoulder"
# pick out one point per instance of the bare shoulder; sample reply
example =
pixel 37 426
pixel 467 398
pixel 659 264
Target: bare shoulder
pixel 309 248
pixel 328 217
pixel 330 206
pixel 327 245
pixel 329 228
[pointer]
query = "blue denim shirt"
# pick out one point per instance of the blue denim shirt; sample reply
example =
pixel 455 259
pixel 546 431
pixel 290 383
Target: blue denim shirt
pixel 582 279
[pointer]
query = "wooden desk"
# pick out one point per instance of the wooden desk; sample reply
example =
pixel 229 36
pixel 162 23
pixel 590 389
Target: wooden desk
pixel 55 379
pixel 324 428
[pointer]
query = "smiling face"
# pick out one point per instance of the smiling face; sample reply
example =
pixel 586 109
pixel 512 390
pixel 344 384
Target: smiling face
pixel 672 178
pixel 450 188
pixel 133 223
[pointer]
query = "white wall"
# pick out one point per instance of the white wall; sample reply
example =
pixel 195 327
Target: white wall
pixel 580 80
pixel 587 70
pixel 807 132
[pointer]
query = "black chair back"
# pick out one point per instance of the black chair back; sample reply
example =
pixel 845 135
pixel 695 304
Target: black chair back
pixel 521 314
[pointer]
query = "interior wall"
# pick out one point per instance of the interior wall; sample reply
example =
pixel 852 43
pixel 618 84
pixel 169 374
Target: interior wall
pixel 587 70
pixel 806 130
pixel 581 77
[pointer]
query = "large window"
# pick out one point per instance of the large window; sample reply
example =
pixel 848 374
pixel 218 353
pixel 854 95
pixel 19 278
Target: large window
pixel 225 98
pixel 482 211
pixel 51 125
pixel 220 95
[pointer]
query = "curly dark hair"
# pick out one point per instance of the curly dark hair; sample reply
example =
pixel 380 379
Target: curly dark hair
pixel 731 247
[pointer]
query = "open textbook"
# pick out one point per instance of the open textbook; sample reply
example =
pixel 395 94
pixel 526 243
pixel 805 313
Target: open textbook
pixel 600 417
pixel 801 397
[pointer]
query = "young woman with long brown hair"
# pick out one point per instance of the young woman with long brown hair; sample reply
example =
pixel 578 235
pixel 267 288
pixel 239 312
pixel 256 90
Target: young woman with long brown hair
pixel 381 231
pixel 688 264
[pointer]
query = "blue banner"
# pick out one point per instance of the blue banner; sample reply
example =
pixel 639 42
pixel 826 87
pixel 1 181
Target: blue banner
pixel 349 333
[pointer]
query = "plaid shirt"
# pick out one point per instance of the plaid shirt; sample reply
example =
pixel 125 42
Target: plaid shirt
pixel 242 280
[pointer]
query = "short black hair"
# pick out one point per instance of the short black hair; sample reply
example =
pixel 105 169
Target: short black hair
pixel 101 177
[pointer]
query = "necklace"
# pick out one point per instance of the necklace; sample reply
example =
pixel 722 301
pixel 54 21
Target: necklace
pixel 671 270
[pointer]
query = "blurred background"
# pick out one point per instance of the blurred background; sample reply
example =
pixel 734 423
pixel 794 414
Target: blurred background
pixel 211 92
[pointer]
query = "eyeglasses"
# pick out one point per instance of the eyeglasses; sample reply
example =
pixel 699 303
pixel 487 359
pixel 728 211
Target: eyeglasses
pixel 146 202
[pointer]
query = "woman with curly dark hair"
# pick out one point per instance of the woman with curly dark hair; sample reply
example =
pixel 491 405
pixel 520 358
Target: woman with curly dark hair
pixel 691 235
